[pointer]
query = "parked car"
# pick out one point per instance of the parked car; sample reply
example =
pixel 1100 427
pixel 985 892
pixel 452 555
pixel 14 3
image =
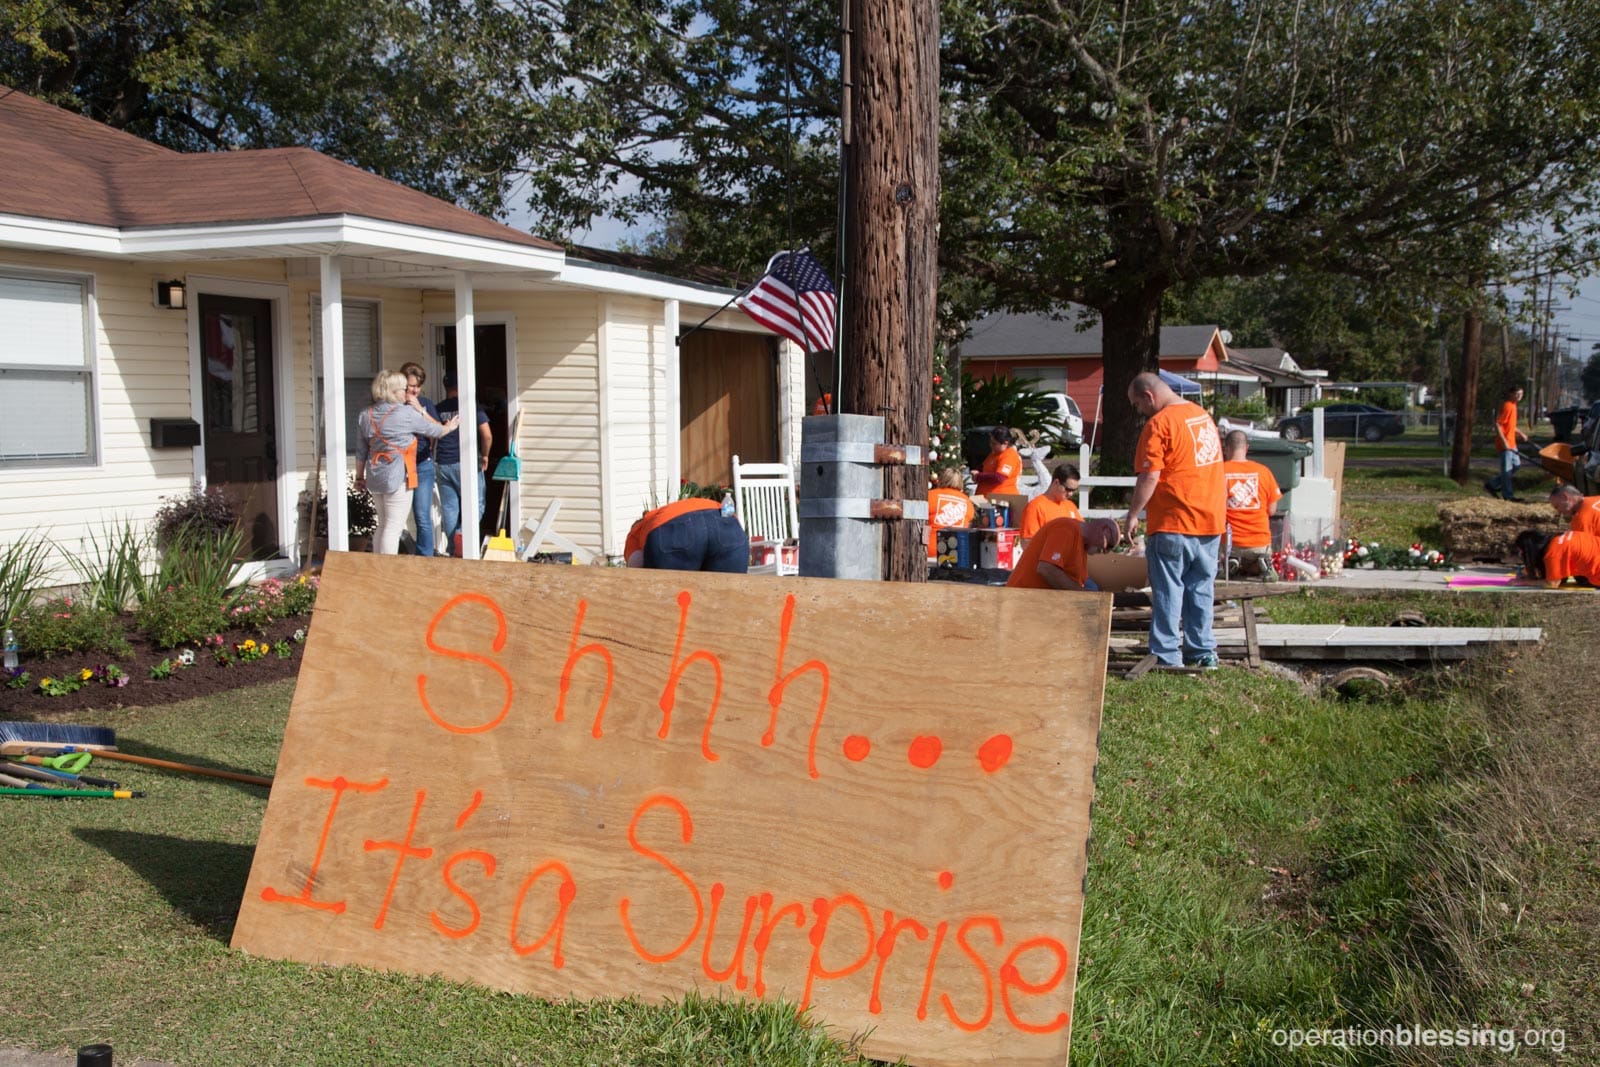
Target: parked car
pixel 1071 418
pixel 1365 421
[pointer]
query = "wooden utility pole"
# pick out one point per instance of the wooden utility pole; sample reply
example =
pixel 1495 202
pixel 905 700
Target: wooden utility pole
pixel 1466 398
pixel 892 237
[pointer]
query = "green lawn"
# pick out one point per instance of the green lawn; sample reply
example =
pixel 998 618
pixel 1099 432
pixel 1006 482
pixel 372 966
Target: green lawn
pixel 1254 865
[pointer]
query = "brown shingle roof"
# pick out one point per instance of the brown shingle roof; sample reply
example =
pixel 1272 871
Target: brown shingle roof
pixel 57 165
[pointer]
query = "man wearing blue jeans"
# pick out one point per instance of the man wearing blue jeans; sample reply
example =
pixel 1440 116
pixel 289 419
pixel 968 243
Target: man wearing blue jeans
pixel 1181 487
pixel 422 499
pixel 447 467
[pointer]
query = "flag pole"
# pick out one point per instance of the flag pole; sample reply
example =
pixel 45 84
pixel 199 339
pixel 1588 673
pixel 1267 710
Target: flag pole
pixel 699 325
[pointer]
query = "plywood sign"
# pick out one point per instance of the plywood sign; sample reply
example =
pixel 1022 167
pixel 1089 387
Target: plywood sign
pixel 868 799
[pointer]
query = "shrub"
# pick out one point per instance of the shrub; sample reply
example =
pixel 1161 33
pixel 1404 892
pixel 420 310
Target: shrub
pixel 24 565
pixel 361 511
pixel 111 571
pixel 207 512
pixel 66 625
pixel 178 614
pixel 205 562
pixel 255 607
pixel 300 595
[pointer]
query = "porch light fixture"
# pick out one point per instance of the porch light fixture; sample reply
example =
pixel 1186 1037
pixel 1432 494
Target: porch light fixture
pixel 170 294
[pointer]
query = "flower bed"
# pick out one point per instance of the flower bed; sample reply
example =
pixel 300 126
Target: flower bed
pixel 145 674
pixel 181 643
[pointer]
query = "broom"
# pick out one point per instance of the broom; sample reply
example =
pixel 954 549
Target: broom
pixel 35 740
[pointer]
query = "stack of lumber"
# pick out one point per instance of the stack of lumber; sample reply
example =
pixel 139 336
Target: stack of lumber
pixel 1485 529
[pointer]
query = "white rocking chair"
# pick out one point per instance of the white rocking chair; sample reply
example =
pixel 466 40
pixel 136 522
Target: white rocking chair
pixel 764 502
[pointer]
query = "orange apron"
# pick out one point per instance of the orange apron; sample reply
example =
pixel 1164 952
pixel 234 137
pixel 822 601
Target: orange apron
pixel 385 452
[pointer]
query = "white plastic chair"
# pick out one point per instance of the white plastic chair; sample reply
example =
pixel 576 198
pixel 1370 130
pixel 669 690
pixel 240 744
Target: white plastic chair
pixel 764 502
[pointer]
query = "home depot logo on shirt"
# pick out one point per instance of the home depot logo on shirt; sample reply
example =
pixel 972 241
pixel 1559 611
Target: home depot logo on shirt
pixel 951 513
pixel 1207 444
pixel 1244 492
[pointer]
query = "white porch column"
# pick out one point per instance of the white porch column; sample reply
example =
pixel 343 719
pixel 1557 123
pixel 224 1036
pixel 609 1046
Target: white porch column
pixel 467 386
pixel 333 427
pixel 674 412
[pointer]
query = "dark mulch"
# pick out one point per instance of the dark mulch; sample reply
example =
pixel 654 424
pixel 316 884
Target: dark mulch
pixel 203 678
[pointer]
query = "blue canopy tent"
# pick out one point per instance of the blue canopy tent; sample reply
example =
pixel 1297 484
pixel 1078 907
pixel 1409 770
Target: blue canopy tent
pixel 1180 385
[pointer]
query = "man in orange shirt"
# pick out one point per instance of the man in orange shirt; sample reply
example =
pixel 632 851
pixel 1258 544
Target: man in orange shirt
pixel 1583 512
pixel 688 535
pixel 1253 497
pixel 948 506
pixel 1506 436
pixel 1058 558
pixel 1178 464
pixel 1001 467
pixel 1054 503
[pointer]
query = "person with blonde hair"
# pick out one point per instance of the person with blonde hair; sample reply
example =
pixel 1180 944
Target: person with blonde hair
pixel 386 447
pixel 948 506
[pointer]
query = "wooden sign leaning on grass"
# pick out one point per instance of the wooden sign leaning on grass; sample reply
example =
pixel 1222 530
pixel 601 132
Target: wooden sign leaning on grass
pixel 871 800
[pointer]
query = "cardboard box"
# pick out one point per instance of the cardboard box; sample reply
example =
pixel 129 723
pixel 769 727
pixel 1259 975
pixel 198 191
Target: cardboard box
pixel 1117 572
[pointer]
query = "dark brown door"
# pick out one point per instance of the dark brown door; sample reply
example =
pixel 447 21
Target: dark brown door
pixel 729 403
pixel 240 420
pixel 489 369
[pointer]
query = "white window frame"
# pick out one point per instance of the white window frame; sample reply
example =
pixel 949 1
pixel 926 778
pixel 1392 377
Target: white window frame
pixel 361 382
pixel 91 457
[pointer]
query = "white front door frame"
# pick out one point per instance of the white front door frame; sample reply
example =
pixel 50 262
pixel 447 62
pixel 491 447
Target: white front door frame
pixel 282 392
pixel 434 324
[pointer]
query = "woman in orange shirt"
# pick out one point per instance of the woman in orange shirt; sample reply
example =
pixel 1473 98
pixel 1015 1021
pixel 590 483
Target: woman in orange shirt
pixel 1557 558
pixel 1002 467
pixel 948 505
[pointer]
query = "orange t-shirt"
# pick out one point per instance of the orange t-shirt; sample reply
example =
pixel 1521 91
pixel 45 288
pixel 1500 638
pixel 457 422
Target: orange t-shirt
pixel 1573 555
pixel 660 517
pixel 1008 464
pixel 1181 442
pixel 946 508
pixel 1587 518
pixel 1252 491
pixel 1041 510
pixel 1505 425
pixel 1060 543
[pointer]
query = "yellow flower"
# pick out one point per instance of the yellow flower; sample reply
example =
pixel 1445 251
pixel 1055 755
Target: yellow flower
pixel 266 648
pixel 250 643
pixel 47 681
pixel 85 674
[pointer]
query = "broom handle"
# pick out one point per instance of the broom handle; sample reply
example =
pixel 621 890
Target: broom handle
pixel 189 768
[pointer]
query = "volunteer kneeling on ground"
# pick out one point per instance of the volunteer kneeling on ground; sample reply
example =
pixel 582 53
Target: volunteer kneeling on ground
pixel 1253 497
pixel 1058 556
pixel 1555 558
pixel 688 535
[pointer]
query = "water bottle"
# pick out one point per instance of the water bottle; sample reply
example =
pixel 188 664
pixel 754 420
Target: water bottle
pixel 11 650
pixel 727 504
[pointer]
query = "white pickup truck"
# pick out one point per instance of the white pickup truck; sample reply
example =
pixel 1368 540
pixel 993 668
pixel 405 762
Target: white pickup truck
pixel 1071 418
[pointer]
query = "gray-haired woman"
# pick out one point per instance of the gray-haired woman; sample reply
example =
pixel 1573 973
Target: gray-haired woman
pixel 386 445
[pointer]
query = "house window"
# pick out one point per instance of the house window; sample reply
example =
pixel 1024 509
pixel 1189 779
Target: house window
pixel 362 358
pixel 1042 379
pixel 47 416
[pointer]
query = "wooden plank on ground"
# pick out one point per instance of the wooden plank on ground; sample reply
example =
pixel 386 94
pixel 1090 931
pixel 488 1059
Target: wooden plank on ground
pixel 585 782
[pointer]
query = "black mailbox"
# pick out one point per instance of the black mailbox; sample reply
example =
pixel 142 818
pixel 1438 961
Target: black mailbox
pixel 174 433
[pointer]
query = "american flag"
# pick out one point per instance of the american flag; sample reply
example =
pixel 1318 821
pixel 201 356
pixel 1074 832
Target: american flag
pixel 794 299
